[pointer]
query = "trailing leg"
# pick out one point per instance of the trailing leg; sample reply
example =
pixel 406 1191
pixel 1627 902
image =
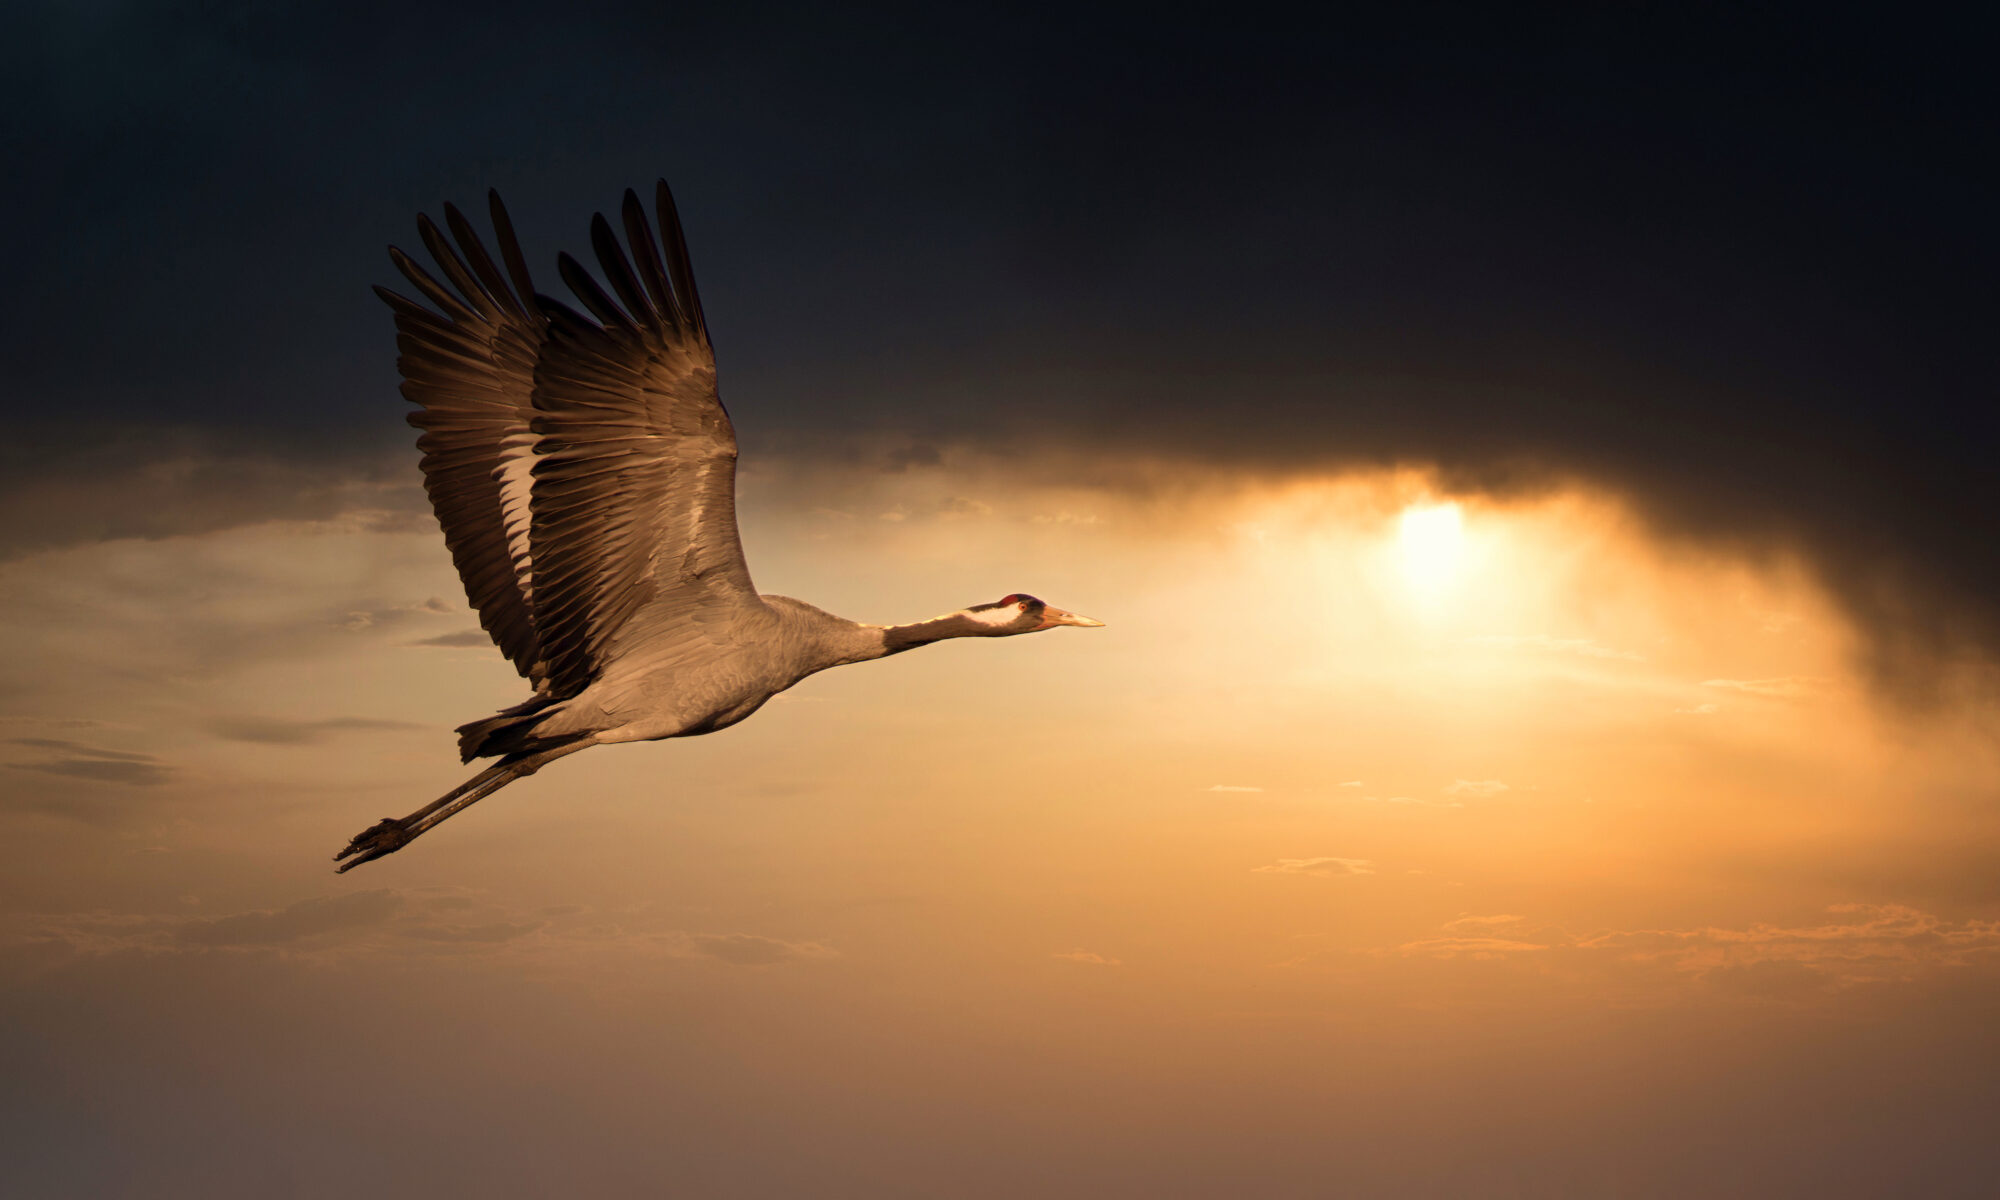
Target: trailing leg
pixel 390 834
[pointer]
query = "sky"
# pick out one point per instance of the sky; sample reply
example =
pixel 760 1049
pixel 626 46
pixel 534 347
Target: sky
pixel 1534 472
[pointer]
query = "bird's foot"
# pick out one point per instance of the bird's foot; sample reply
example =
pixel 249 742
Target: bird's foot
pixel 384 837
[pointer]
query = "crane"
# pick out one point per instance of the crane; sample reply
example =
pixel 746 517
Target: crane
pixel 583 470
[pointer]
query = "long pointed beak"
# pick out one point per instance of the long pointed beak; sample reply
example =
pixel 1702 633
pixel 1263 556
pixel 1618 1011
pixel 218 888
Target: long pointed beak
pixel 1052 617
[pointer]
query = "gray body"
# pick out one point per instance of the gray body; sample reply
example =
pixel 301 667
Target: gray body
pixel 711 679
pixel 583 470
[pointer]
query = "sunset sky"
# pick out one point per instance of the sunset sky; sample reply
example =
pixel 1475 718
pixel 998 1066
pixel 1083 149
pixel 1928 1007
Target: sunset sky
pixel 1536 477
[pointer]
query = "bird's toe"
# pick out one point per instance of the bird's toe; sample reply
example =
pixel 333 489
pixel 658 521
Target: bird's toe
pixel 384 837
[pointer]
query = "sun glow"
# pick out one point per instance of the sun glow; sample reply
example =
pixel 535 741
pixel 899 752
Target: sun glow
pixel 1432 537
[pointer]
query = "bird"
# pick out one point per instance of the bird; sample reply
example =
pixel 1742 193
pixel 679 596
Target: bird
pixel 583 471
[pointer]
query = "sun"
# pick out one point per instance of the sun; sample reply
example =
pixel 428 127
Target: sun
pixel 1432 537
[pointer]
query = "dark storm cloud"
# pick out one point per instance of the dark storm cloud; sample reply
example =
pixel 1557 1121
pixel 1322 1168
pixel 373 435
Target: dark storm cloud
pixel 97 481
pixel 1739 271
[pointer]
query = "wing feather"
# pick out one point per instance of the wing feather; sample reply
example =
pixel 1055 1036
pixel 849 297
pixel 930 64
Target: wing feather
pixel 582 466
pixel 470 371
pixel 634 509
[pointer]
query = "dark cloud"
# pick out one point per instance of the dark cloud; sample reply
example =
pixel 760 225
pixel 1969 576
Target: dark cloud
pixel 1733 266
pixel 279 731
pixel 94 482
pixel 73 760
pixel 903 458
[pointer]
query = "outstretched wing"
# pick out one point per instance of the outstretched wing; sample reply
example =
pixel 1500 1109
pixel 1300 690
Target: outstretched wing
pixel 633 521
pixel 471 372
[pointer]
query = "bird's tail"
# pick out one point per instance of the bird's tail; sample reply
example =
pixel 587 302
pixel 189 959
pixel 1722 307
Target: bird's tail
pixel 390 835
pixel 508 732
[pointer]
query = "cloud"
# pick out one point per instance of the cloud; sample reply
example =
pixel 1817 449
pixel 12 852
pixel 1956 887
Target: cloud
pixel 68 747
pixel 1318 866
pixel 491 932
pixel 1419 801
pixel 126 773
pixel 1525 362
pixel 1087 958
pixel 467 637
pixel 1544 644
pixel 1478 948
pixel 1066 517
pixel 296 922
pixel 1701 710
pixel 1865 943
pixel 961 506
pixel 1784 687
pixel 281 731
pixel 52 722
pixel 314 925
pixel 1475 789
pixel 75 760
pixel 1351 783
pixel 377 919
pixel 901 459
pixel 1231 787
pixel 745 949
pixel 398 614
pixel 150 483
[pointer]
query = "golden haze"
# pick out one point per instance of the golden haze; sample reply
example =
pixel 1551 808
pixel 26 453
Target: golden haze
pixel 1375 811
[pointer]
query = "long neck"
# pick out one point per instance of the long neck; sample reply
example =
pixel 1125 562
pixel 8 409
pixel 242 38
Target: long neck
pixel 829 641
pixel 898 638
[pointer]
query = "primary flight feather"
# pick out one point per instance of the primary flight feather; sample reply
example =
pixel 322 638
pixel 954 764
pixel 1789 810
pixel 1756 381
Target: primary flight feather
pixel 584 472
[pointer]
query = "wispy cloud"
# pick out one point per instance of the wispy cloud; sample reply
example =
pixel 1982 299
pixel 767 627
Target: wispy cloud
pixel 1419 801
pixel 1232 787
pixel 1470 922
pixel 296 922
pixel 745 949
pixel 74 760
pixel 1318 866
pixel 418 922
pixel 1783 686
pixel 464 637
pixel 1542 643
pixel 1065 517
pixel 1087 958
pixel 281 731
pixel 1475 789
pixel 1481 948
pixel 1864 943
pixel 964 506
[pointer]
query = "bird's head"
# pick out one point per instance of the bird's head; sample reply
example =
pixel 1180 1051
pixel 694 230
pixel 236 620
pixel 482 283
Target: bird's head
pixel 1021 613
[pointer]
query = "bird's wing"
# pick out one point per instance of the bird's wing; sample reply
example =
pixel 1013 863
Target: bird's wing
pixel 633 521
pixel 471 371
